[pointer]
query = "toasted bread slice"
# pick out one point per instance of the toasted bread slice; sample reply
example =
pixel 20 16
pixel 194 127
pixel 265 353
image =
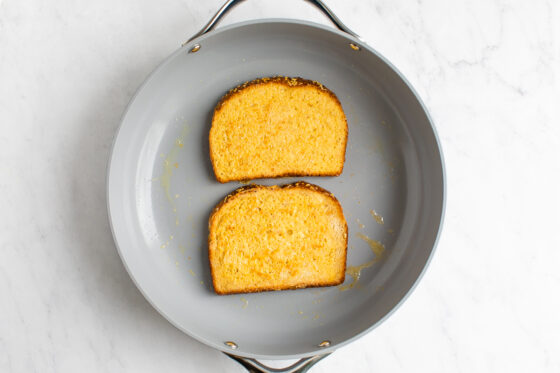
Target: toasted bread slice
pixel 275 127
pixel 275 238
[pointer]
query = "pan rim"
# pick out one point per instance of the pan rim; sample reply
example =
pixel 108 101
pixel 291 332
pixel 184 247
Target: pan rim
pixel 284 21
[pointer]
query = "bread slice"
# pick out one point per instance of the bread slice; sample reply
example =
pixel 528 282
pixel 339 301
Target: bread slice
pixel 275 238
pixel 275 127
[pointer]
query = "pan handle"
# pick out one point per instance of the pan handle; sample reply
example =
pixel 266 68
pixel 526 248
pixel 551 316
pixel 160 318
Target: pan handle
pixel 230 4
pixel 300 366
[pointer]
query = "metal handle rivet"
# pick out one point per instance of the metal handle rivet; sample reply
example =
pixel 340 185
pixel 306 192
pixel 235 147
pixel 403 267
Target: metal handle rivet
pixel 354 46
pixel 195 48
pixel 325 343
pixel 231 345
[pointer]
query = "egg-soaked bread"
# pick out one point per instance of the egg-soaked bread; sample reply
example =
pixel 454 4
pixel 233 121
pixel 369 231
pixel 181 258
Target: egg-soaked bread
pixel 275 238
pixel 274 127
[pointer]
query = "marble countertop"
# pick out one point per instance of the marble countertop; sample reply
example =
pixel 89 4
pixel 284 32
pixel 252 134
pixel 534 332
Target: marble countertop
pixel 488 71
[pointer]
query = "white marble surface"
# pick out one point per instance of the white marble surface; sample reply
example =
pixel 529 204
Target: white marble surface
pixel 489 72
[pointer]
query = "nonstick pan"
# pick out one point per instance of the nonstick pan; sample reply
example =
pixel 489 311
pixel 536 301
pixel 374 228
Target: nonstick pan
pixel 161 189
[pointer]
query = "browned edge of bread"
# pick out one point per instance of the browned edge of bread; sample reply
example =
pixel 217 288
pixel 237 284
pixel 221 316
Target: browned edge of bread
pixel 291 82
pixel 254 188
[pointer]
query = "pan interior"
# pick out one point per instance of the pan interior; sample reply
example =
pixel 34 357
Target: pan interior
pixel 161 189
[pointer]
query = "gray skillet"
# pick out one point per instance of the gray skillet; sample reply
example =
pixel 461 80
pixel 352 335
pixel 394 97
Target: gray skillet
pixel 161 189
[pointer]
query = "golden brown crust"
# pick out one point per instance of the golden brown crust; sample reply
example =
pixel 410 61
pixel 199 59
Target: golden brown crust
pixel 254 188
pixel 288 81
pixel 260 290
pixel 277 176
pixel 291 82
